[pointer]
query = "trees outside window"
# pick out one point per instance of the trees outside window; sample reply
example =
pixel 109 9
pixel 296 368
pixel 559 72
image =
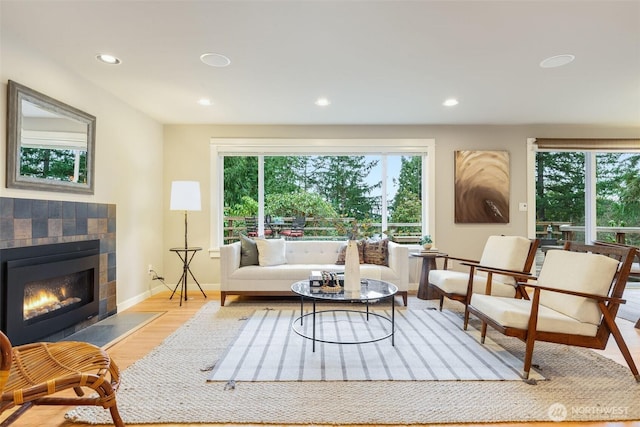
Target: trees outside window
pixel 372 181
pixel 561 183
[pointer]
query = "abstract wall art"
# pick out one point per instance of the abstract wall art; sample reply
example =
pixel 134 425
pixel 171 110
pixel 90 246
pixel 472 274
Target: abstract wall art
pixel 481 187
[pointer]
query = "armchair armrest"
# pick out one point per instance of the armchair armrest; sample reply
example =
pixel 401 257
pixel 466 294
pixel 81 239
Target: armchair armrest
pixel 512 273
pixel 599 298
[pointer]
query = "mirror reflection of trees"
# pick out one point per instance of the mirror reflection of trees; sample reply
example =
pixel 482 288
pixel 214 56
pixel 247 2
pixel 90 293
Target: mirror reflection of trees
pixel 57 165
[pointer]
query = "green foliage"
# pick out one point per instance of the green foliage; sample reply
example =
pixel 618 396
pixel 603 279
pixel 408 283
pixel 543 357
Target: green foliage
pixel 408 207
pixel 407 204
pixel 426 239
pixel 343 184
pixel 560 189
pixel 240 179
pixel 299 203
pixel 246 207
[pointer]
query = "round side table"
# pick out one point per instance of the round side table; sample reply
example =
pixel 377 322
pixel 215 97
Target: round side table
pixel 428 263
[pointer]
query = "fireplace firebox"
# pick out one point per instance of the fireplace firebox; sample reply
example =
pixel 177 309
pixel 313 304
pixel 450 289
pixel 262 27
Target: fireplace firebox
pixel 48 288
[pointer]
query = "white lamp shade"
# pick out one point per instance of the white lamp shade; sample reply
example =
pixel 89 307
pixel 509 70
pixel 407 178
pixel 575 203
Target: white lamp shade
pixel 185 196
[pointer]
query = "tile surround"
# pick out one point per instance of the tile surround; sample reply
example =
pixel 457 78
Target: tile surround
pixel 30 222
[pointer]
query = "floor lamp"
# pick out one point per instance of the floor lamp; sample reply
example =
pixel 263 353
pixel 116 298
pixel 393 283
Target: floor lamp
pixel 185 196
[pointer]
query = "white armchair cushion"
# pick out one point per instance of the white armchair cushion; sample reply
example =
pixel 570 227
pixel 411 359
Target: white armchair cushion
pixel 514 313
pixel 580 272
pixel 455 282
pixel 506 252
pixel 271 252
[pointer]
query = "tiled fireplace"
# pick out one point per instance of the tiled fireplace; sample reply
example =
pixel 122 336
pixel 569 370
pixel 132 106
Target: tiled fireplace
pixel 59 260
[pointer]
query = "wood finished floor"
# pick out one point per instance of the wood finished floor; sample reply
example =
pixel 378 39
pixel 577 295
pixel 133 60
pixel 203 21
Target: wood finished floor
pixel 139 343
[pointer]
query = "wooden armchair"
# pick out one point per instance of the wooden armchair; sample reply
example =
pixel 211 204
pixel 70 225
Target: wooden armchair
pixel 31 374
pixel 513 254
pixel 575 301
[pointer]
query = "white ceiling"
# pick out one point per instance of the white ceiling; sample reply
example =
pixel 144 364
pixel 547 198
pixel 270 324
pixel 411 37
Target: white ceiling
pixel 379 62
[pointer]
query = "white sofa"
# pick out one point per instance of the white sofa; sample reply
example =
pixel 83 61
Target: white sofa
pixel 302 257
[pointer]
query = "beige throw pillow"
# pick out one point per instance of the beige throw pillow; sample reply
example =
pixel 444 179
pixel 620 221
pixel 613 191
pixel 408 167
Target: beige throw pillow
pixel 271 252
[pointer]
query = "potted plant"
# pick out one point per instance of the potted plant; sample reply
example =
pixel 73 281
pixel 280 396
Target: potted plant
pixel 426 242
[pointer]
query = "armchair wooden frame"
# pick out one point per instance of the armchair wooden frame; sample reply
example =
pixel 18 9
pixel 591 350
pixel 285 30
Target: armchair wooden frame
pixel 608 306
pixel 474 265
pixel 31 374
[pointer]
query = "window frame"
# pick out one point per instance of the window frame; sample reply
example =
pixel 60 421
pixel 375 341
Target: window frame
pixel 220 147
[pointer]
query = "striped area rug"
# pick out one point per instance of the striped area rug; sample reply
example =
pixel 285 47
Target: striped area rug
pixel 429 345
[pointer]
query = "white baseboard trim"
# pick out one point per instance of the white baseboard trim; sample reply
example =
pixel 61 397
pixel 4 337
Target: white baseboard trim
pixel 191 287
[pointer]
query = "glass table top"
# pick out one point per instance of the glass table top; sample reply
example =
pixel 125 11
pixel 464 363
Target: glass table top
pixel 370 289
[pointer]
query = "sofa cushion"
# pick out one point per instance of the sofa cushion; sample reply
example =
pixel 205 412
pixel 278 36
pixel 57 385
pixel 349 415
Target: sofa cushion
pixel 376 252
pixel 248 251
pixel 271 252
pixel 580 272
pixel 342 254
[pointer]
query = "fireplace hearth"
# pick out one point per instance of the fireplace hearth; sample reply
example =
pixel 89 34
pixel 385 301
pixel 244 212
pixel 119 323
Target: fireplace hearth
pixel 48 288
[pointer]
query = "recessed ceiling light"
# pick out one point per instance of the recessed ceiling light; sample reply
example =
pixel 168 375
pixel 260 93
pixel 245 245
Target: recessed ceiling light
pixel 450 102
pixel 322 102
pixel 557 61
pixel 215 59
pixel 108 59
pixel 205 102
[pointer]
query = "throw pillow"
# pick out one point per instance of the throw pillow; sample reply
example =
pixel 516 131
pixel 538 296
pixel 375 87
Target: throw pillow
pixel 248 251
pixel 271 252
pixel 376 252
pixel 342 253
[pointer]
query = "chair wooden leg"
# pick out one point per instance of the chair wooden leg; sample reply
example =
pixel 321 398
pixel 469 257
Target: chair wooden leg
pixel 483 332
pixel 115 416
pixel 16 414
pixel 466 318
pixel 441 301
pixel 617 335
pixel 531 333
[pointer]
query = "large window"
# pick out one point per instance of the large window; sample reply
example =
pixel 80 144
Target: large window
pixel 380 185
pixel 589 192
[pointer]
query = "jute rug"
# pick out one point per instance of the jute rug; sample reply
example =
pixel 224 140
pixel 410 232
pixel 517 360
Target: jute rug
pixel 170 386
pixel 429 345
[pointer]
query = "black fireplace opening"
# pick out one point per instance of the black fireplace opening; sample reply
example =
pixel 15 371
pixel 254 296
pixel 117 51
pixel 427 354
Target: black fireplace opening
pixel 48 288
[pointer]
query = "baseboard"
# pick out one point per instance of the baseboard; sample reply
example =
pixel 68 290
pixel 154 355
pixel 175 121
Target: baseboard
pixel 162 288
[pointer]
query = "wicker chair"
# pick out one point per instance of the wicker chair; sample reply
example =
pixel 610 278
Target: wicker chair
pixel 30 374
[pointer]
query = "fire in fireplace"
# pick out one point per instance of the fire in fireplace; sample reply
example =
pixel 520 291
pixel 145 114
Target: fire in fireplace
pixel 43 297
pixel 48 288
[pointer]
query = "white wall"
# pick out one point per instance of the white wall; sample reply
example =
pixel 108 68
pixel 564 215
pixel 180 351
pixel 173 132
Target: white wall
pixel 187 157
pixel 128 168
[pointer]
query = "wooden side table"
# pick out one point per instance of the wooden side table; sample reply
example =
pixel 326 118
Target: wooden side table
pixel 428 262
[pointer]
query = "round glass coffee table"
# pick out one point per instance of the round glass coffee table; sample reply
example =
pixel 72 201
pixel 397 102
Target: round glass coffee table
pixel 371 290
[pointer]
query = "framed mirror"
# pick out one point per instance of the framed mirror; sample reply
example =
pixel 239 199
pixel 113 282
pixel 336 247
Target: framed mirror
pixel 50 145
